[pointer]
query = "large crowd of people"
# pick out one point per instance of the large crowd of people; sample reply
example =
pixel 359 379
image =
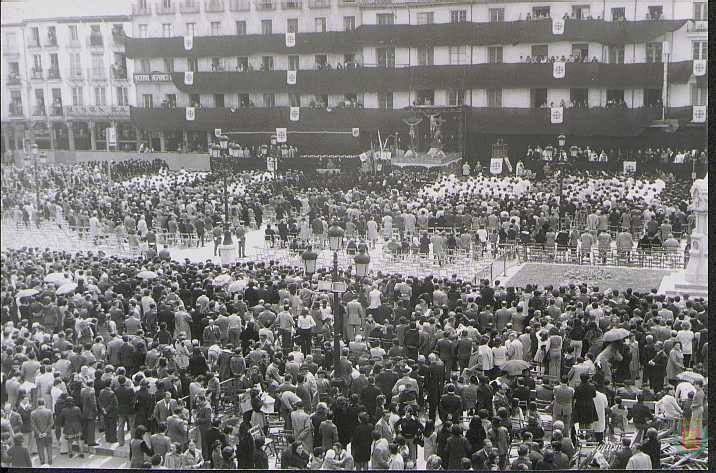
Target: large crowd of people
pixel 194 365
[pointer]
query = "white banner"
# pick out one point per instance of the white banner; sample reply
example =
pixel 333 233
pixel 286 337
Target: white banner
pixel 188 43
pixel 699 67
pixel 294 114
pixel 557 26
pixel 558 69
pixel 496 166
pixel 290 40
pixel 112 136
pixel 189 78
pixel 291 77
pixel 217 132
pixel 356 132
pixel 556 115
pixel 699 113
pixel 190 114
pixel 629 167
pixel 280 135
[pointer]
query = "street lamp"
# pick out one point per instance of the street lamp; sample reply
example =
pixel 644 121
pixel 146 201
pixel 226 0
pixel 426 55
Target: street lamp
pixel 36 159
pixel 560 163
pixel 220 152
pixel 361 261
pixel 335 237
pixel 309 258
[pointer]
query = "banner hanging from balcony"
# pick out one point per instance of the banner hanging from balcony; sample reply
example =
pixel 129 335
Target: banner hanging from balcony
pixel 280 135
pixel 699 113
pixel 629 167
pixel 557 26
pixel 294 114
pixel 188 43
pixel 290 40
pixel 111 136
pixel 355 132
pixel 190 114
pixel 189 78
pixel 556 115
pixel 291 77
pixel 496 166
pixel 558 69
pixel 699 67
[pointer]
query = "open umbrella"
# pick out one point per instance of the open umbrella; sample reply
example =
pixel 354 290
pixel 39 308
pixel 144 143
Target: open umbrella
pixel 690 376
pixel 57 278
pixel 66 288
pixel 146 274
pixel 222 280
pixel 616 334
pixel 27 292
pixel 515 367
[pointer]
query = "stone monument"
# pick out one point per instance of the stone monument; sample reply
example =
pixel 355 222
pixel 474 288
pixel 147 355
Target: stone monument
pixel 694 280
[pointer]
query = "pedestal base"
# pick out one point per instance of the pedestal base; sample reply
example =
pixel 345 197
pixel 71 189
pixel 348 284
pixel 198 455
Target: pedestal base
pixel 675 284
pixel 227 253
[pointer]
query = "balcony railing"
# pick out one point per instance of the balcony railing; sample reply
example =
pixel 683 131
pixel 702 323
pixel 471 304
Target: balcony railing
pixel 214 6
pixel 190 7
pixel 95 41
pixel 15 110
pixel 13 78
pixel 39 111
pixel 53 73
pixel 119 37
pixel 319 3
pixel 697 26
pixel 161 9
pixel 291 4
pixel 37 74
pixel 74 43
pixel 33 43
pixel 265 5
pixel 51 43
pixel 239 5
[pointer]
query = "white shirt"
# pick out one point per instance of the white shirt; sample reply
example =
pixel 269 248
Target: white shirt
pixel 374 297
pixel 306 323
pixel 601 404
pixel 683 389
pixel 686 337
pixel 668 407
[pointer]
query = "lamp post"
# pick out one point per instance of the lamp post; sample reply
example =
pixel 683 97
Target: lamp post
pixel 335 237
pixel 36 159
pixel 220 152
pixel 561 141
pixel 224 151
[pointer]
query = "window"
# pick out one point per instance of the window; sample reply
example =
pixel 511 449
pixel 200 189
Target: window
pixel 57 100
pixel 215 28
pixel 241 27
pixel 494 54
pixel 456 97
pixel 426 18
pixel 39 102
pixel 219 100
pixel 194 100
pixel 540 12
pixel 242 63
pixel 426 56
pixel 15 102
pixel 145 66
pixel 497 14
pixel 349 23
pixel 267 63
pixel 579 97
pixel 169 64
pixel 148 101
pixel 100 96
pixel 539 51
pixel 385 18
pixel 699 50
pixel 385 100
pixel 37 62
pixel 616 54
pixel 653 51
pixel 321 61
pixel 699 95
pixel 580 50
pixel 143 31
pixel 269 100
pixel 615 96
pixel 34 36
pixel 75 64
pixel 385 57
pixel 54 62
pixel 73 32
pixel 321 100
pixel 457 54
pixel 294 100
pixel 619 14
pixel 652 97
pixel 190 29
pixel 167 30
pixel 293 62
pixel 171 100
pixel 77 97
pixel 122 96
pixel 494 98
pixel 538 98
pixel 458 16
pixel 98 65
pixel 193 64
pixel 425 97
pixel 51 35
pixel 655 12
pixel 701 11
pixel 320 25
pixel 292 25
pixel 266 27
pixel 581 12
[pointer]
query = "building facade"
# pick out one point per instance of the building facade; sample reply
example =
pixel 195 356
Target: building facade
pixel 65 81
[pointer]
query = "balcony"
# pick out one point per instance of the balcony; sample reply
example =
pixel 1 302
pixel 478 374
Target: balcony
pixel 291 4
pixel 265 5
pixel 15 109
pixel 13 78
pixel 161 9
pixel 239 5
pixel 36 74
pixel 53 73
pixel 39 111
pixel 319 4
pixel 118 72
pixel 189 6
pixel 697 26
pixel 51 42
pixel 141 10
pixel 95 41
pixel 214 6
pixel 33 44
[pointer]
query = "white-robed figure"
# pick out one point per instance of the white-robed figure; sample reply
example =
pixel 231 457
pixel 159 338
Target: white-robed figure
pixel 372 229
pixel 387 227
pixel 520 169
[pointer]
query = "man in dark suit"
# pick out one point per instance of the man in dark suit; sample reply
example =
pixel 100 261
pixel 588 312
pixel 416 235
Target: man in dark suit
pixel 125 408
pixel 450 404
pixel 447 351
pixel 434 383
pixel 369 395
pixel 41 420
pixel 88 405
pixel 108 404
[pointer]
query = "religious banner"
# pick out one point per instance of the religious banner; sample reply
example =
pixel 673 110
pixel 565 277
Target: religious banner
pixel 188 43
pixel 629 167
pixel 699 67
pixel 558 69
pixel 355 132
pixel 190 114
pixel 217 132
pixel 557 26
pixel 189 78
pixel 111 136
pixel 290 40
pixel 699 113
pixel 496 166
pixel 280 135
pixel 556 115
pixel 294 114
pixel 291 77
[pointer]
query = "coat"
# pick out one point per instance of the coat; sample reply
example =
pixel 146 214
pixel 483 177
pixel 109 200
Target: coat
pixel 675 364
pixel 302 429
pixel 584 412
pixel 361 442
pixel 71 420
